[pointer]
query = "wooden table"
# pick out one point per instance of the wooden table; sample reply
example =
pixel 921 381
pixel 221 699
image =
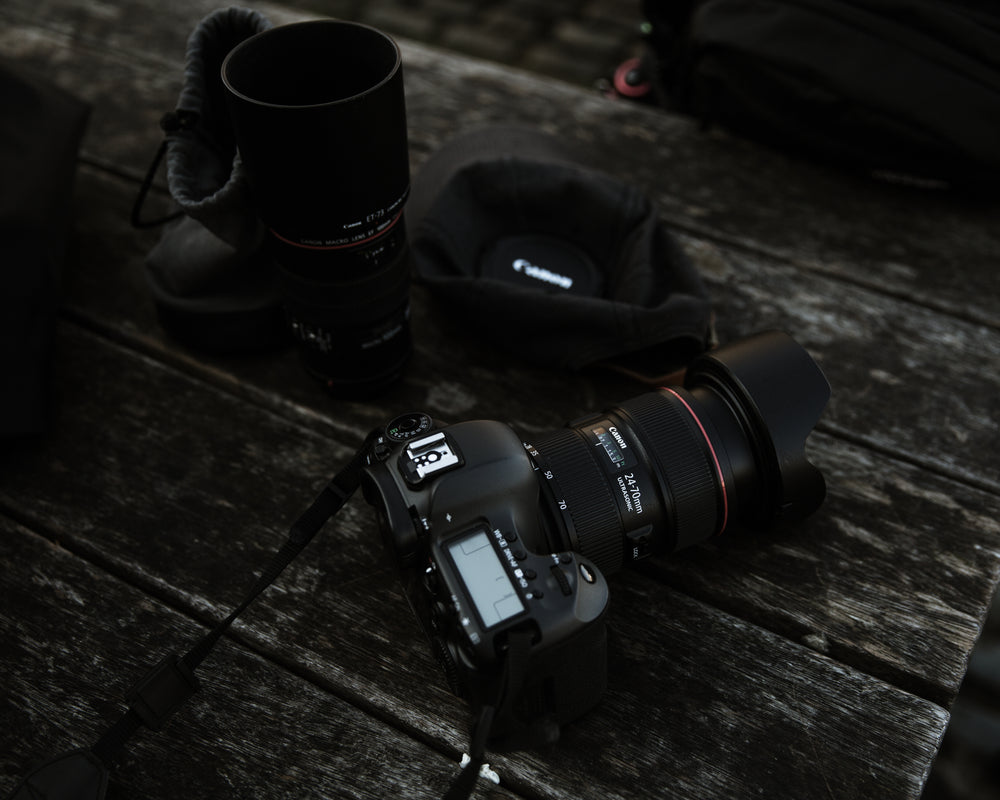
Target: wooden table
pixel 818 664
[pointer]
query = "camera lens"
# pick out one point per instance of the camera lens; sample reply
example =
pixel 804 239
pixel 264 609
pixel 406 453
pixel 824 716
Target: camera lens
pixel 349 310
pixel 319 112
pixel 671 468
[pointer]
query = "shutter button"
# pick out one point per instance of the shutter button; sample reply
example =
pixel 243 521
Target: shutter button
pixel 587 573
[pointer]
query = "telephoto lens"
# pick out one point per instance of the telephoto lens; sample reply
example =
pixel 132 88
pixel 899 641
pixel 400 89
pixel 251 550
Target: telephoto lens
pixel 671 468
pixel 320 122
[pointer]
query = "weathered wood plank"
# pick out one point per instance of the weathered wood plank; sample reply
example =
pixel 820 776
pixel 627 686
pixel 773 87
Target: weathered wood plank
pixel 724 711
pixel 74 638
pixel 935 248
pixel 948 426
pixel 137 447
pixel 753 688
pixel 895 530
pixel 137 475
pixel 906 379
pixel 837 584
pixel 446 375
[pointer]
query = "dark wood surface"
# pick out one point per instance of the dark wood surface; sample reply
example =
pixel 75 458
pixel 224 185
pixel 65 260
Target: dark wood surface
pixel 816 664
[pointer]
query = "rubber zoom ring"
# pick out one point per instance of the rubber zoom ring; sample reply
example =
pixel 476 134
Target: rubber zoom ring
pixel 590 504
pixel 683 462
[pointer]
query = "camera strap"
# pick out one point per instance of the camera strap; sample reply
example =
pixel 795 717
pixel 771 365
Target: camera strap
pixel 513 672
pixel 82 774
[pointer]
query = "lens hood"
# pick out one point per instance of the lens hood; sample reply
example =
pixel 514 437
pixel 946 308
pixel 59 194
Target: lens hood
pixel 777 392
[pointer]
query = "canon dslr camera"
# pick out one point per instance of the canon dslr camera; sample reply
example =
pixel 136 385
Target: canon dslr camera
pixel 502 541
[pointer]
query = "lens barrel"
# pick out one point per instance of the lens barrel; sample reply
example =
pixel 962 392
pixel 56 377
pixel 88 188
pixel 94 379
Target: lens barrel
pixel 349 311
pixel 671 468
pixel 319 113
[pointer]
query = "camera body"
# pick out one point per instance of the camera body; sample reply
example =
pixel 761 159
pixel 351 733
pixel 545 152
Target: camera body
pixel 504 546
pixel 460 510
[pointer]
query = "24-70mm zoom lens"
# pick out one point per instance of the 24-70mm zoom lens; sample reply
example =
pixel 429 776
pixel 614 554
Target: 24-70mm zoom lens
pixel 671 468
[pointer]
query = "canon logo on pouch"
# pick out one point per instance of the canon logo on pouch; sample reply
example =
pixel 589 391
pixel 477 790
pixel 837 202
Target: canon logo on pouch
pixel 541 274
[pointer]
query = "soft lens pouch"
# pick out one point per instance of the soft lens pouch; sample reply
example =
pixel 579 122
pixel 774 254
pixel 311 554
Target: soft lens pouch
pixel 559 263
pixel 214 288
pixel 538 261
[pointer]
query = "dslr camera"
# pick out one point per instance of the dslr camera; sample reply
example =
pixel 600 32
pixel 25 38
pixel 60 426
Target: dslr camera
pixel 501 540
pixel 504 545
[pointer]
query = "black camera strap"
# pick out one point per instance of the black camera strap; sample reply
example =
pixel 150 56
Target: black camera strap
pixel 83 774
pixel 155 698
pixel 513 671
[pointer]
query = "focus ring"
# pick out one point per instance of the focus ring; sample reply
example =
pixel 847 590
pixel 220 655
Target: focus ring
pixel 683 459
pixel 589 501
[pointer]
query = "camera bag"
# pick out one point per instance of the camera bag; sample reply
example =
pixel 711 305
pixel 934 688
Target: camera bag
pixel 897 87
pixel 214 288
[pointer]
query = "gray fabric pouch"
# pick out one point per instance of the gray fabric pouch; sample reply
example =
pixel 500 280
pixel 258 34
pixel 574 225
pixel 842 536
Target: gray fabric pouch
pixel 214 288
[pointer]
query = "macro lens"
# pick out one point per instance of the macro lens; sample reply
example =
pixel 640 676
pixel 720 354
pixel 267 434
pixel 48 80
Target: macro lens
pixel 671 468
pixel 320 120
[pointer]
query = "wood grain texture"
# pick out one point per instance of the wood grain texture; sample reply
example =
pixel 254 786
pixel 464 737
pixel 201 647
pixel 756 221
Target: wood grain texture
pixel 255 729
pixel 807 664
pixel 867 335
pixel 158 494
pixel 929 247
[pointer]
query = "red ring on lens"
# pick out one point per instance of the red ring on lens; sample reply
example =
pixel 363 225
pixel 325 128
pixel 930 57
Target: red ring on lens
pixel 383 230
pixel 715 458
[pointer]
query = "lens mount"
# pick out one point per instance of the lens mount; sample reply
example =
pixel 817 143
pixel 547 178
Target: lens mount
pixel 579 488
